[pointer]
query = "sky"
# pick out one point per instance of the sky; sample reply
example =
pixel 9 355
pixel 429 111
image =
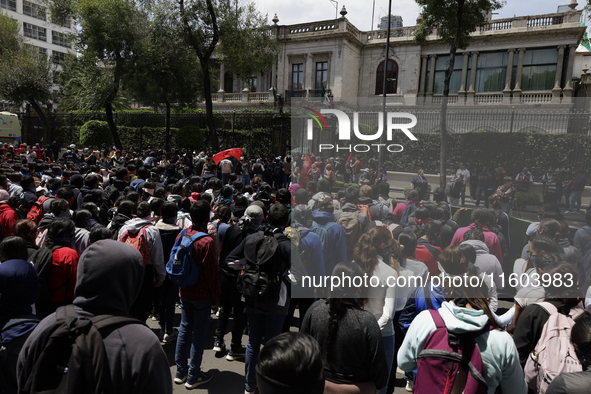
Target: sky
pixel 360 11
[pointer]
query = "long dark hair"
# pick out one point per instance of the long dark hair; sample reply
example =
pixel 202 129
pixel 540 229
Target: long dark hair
pixel 337 308
pixel 569 296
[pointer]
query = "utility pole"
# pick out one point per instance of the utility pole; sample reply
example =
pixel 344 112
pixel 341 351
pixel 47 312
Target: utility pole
pixel 384 85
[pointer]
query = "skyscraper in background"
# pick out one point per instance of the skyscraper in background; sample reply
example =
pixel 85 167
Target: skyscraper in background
pixel 395 21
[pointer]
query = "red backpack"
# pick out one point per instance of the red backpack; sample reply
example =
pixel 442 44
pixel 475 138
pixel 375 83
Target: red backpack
pixel 139 241
pixel 450 363
pixel 365 210
pixel 36 212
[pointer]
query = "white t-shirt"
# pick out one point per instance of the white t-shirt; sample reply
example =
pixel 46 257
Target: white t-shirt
pixel 464 172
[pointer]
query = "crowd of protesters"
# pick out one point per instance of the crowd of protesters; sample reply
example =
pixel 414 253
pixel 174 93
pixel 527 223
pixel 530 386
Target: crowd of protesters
pixel 88 239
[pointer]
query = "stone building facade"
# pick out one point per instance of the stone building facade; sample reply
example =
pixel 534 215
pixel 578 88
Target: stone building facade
pixel 521 61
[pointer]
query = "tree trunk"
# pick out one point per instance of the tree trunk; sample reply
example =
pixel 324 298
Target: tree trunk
pixel 213 137
pixel 44 120
pixel 112 125
pixel 167 137
pixel 443 115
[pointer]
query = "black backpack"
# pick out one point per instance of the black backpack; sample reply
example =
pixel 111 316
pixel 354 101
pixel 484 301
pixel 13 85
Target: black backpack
pixel 69 356
pixel 260 280
pixel 42 260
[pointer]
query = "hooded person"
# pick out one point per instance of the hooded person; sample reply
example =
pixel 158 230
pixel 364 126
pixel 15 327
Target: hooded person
pixel 230 296
pixel 109 278
pixel 155 271
pixel 19 286
pixel 486 262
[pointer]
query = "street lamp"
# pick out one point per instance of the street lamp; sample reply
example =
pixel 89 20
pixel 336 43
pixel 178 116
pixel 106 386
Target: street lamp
pixel 336 8
pixel 382 155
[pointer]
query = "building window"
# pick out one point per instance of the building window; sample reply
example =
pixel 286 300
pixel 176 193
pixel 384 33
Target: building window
pixel 539 69
pixel 36 32
pixel 8 4
pixel 253 84
pixel 491 72
pixel 391 78
pixel 67 22
pixel 58 57
pixel 297 76
pixel 34 10
pixel 321 75
pixel 455 82
pixel 59 39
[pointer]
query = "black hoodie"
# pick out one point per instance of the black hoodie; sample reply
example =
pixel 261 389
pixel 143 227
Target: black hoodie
pixel 109 278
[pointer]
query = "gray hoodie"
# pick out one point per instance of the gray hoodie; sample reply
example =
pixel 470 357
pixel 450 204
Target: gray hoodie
pixel 109 278
pixel 487 263
pixel 154 243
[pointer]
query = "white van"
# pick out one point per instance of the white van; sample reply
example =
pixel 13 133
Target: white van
pixel 10 128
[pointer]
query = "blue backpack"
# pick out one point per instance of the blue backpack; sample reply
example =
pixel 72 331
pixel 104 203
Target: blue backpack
pixel 410 209
pixel 136 184
pixel 181 267
pixel 322 232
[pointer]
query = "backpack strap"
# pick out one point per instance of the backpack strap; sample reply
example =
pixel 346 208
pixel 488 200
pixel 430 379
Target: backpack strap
pixel 437 319
pixel 20 320
pixel 548 307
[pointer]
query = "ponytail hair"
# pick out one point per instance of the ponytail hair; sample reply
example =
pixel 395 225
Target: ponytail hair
pixel 550 228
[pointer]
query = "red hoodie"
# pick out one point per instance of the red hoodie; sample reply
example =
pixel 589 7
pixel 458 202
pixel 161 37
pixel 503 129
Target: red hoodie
pixel 8 217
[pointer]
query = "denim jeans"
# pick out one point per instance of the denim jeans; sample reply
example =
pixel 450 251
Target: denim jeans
pixel 506 207
pixel 195 317
pixel 260 324
pixel 389 349
pixel 230 300
pixel 225 178
pixel 246 180
pixel 463 194
pixel 576 199
pixel 455 202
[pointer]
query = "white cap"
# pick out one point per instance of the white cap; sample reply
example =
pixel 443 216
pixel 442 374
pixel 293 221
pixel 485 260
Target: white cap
pixel 73 146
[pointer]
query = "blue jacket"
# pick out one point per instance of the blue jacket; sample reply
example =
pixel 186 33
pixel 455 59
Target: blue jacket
pixel 335 249
pixel 312 258
pixel 417 304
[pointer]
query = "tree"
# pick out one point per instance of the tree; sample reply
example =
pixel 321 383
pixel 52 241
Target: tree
pixel 25 75
pixel 167 71
pixel 241 34
pixel 454 21
pixel 106 39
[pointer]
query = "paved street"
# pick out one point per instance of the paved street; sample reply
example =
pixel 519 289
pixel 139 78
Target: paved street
pixel 228 375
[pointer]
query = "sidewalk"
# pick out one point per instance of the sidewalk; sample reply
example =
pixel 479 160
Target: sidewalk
pixel 400 180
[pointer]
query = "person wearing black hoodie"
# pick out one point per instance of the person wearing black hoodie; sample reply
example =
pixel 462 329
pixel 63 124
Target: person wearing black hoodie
pixel 168 292
pixel 90 182
pixel 109 278
pixel 20 289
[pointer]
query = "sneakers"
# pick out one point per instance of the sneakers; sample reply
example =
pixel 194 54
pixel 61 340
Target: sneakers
pixel 200 379
pixel 170 338
pixel 180 378
pixel 218 345
pixel 235 354
pixel 409 385
pixel 248 392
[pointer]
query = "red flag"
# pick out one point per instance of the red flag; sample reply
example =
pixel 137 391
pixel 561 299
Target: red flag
pixel 304 171
pixel 349 159
pixel 234 152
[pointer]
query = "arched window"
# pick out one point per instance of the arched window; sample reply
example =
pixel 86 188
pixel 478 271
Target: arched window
pixel 391 78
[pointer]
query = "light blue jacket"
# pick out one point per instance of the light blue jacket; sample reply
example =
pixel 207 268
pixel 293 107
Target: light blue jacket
pixel 497 348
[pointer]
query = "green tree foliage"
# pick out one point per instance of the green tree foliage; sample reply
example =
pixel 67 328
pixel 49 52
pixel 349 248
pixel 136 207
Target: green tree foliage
pixel 167 71
pixel 245 46
pixel 240 32
pixel 189 137
pixel 106 42
pixel 25 75
pixel 454 21
pixel 95 133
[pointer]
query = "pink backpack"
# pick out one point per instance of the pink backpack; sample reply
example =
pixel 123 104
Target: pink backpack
pixel 554 352
pixel 450 363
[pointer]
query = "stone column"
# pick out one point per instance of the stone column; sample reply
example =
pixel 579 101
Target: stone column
pixel 472 90
pixel 507 90
pixel 517 90
pixel 558 79
pixel 221 91
pixel 245 93
pixel 308 73
pixel 568 89
pixel 431 78
pixel 462 91
pixel 423 75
